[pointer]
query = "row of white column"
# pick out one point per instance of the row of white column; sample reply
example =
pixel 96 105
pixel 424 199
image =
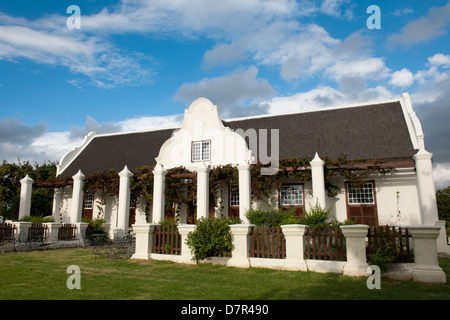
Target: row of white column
pixel 159 196
pixel 202 192
pixel 425 184
pixel 76 208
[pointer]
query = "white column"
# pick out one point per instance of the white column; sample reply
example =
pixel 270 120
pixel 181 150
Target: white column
pixel 77 197
pixel 124 199
pixel 57 201
pixel 427 191
pixel 245 191
pixel 202 192
pixel 158 193
pixel 26 185
pixel 318 180
pixel 426 266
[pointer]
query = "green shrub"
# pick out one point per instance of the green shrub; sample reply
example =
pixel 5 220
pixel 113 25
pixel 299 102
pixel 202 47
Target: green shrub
pixel 34 219
pixel 95 225
pixel 382 258
pixel 212 238
pixel 316 216
pixel 169 221
pixel 271 217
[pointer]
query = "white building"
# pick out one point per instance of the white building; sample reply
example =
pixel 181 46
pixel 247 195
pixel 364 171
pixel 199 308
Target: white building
pixel 389 132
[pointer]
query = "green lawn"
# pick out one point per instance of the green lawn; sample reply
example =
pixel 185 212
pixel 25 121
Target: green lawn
pixel 42 276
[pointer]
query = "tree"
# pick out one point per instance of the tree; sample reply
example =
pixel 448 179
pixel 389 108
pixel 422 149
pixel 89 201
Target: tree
pixel 443 204
pixel 41 198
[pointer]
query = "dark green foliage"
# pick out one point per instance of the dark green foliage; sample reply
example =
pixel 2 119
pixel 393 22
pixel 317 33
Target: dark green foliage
pixel 34 219
pixel 95 227
pixel 314 217
pixel 271 217
pixel 382 258
pixel 41 198
pixel 443 204
pixel 212 238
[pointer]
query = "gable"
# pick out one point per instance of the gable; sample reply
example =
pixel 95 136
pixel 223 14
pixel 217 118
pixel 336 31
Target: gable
pixel 202 125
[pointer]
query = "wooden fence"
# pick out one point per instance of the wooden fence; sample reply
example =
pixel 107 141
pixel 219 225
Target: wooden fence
pixel 267 242
pixel 37 232
pixel 166 240
pixel 396 239
pixel 325 243
pixel 67 232
pixel 7 233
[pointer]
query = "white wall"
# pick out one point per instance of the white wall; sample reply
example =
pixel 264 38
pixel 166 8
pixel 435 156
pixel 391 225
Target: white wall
pixel 202 122
pixel 396 195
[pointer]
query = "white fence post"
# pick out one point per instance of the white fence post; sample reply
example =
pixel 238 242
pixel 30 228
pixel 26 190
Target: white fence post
pixel 241 245
pixel 81 226
pixel 22 230
pixel 144 240
pixel 295 247
pixel 355 236
pixel 186 253
pixel 426 266
pixel 52 231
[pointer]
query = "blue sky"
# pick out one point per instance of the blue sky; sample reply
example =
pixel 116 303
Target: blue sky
pixel 136 65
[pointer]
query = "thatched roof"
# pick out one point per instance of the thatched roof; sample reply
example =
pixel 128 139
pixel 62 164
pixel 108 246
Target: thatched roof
pixel 365 132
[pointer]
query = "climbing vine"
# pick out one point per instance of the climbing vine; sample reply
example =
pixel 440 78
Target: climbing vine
pixel 355 171
pixel 217 175
pixel 142 184
pixel 179 189
pixel 105 183
pixel 181 184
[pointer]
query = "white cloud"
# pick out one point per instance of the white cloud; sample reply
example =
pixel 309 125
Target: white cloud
pixel 403 78
pixel 51 146
pixel 403 12
pixel 268 32
pixel 440 59
pixel 147 123
pixel 325 96
pixel 48 41
pixel 238 93
pixel 441 175
pixel 368 68
pixel 424 29
pixel 35 143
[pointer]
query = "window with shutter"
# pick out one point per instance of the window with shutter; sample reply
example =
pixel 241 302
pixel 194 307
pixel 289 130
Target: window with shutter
pixel 361 203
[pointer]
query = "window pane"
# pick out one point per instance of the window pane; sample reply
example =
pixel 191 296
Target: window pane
pixel 196 154
pixel 291 195
pixel 234 197
pixel 363 195
pixel 201 151
pixel 205 150
pixel 88 202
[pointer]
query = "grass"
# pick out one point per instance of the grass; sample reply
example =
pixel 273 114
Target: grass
pixel 42 275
